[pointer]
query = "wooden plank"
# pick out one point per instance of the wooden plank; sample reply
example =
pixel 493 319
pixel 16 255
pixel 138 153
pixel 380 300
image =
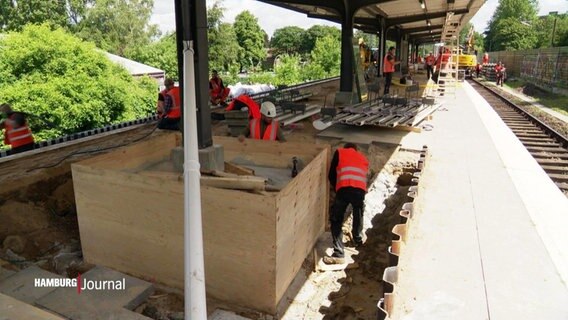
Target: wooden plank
pixel 235 183
pixel 239 170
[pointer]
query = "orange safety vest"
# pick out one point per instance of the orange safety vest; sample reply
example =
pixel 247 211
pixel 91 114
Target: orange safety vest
pixel 351 169
pixel 388 66
pixel 430 60
pixel 269 132
pixel 17 137
pixel 175 111
pixel 254 109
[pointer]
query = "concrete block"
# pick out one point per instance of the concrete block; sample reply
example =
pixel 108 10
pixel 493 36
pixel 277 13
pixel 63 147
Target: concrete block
pixel 99 304
pixel 345 98
pixel 212 158
pixel 12 309
pixel 21 285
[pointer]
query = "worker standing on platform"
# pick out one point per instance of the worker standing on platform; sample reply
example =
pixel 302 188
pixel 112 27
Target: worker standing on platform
pixel 499 72
pixel 388 69
pixel 172 107
pixel 485 58
pixel 217 90
pixel 348 176
pixel 430 60
pixel 17 133
pixel 265 128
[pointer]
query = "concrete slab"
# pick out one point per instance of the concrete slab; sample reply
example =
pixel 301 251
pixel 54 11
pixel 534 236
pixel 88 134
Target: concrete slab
pixel 99 304
pixel 368 135
pixel 5 273
pixel 21 285
pixel 225 315
pixel 485 241
pixel 13 309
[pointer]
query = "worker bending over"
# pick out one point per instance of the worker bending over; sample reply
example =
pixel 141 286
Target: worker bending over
pixel 171 107
pixel 348 176
pixel 265 128
pixel 217 90
pixel 244 101
pixel 17 133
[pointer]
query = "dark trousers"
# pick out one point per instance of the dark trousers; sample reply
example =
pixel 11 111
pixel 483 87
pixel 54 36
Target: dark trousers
pixel 429 71
pixel 388 80
pixel 343 198
pixel 169 124
pixel 25 147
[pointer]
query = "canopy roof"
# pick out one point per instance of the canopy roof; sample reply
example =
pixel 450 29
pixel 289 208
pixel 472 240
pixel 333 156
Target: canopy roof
pixel 422 20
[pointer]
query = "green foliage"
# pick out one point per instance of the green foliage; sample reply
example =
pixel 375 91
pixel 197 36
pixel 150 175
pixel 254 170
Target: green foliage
pixel 160 54
pixel 545 29
pixel 326 56
pixel 288 39
pixel 263 77
pixel 503 32
pixel 370 40
pixel 288 70
pixel 250 38
pixel 57 77
pixel 118 25
pixel 224 50
pixel 318 31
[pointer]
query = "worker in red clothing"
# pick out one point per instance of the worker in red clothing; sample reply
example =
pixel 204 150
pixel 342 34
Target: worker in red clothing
pixel 348 176
pixel 17 133
pixel 500 73
pixel 161 99
pixel 172 107
pixel 265 128
pixel 217 90
pixel 388 68
pixel 430 60
pixel 244 101
pixel 485 58
pixel 478 70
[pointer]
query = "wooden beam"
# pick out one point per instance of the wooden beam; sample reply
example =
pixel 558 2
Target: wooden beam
pixel 238 170
pixel 235 183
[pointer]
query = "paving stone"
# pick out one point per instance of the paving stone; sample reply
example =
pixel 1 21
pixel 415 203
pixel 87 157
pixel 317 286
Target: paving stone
pixel 22 287
pixel 5 273
pixel 12 309
pixel 100 304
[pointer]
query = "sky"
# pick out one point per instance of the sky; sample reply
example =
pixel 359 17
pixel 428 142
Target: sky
pixel 271 17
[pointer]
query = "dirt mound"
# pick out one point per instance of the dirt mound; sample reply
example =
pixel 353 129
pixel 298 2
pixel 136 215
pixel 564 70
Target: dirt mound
pixel 21 218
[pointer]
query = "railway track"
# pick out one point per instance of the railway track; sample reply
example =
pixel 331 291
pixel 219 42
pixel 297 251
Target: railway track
pixel 288 90
pixel 548 147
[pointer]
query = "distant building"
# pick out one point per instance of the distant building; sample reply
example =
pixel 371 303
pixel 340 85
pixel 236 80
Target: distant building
pixel 137 69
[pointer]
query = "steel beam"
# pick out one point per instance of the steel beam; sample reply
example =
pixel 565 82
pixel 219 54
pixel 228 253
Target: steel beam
pixel 423 17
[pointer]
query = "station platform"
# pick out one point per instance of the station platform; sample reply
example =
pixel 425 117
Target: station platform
pixel 489 234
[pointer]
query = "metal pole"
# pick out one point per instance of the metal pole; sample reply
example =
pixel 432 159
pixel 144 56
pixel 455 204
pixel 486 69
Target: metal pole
pixel 194 270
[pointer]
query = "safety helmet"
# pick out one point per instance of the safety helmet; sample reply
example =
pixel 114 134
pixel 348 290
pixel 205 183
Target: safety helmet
pixel 268 109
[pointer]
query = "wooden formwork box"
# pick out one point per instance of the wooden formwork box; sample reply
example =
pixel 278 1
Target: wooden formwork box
pixel 254 243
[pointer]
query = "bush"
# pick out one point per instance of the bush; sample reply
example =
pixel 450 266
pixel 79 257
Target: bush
pixel 57 77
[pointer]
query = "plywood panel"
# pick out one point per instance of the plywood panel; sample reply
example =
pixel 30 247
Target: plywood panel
pixel 134 224
pixel 301 219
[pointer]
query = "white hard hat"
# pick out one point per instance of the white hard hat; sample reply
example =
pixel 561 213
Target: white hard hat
pixel 268 109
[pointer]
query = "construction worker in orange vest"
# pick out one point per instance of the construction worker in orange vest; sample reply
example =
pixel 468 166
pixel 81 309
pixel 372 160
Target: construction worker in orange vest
pixel 244 101
pixel 17 133
pixel 430 60
pixel 161 99
pixel 265 128
pixel 348 176
pixel 217 90
pixel 388 68
pixel 172 107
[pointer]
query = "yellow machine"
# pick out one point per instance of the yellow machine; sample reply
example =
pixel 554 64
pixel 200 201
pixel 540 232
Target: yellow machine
pixel 467 60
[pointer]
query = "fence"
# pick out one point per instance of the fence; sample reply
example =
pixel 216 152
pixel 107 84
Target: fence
pixel 546 67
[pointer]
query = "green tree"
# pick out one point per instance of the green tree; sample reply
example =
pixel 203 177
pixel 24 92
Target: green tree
pixel 370 40
pixel 58 77
pixel 288 70
pixel 118 25
pixel 545 29
pixel 326 56
pixel 318 31
pixel 288 39
pixel 160 54
pixel 516 13
pixel 224 50
pixel 250 38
